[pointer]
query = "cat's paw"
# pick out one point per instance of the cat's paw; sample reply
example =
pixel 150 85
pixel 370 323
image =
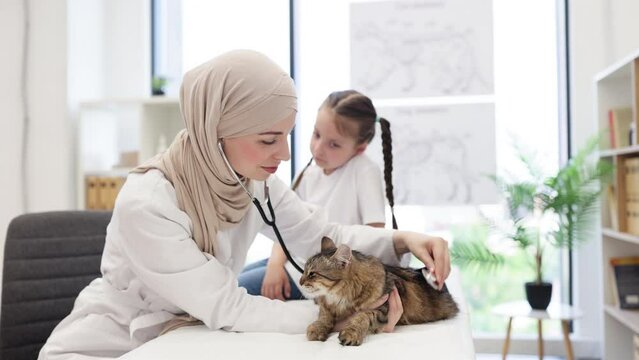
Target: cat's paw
pixel 351 337
pixel 315 332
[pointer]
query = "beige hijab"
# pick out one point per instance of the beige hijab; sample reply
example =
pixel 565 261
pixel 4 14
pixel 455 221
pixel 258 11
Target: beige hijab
pixel 239 93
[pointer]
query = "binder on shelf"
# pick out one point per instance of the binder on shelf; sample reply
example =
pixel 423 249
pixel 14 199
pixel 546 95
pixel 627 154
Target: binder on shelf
pixel 611 207
pixel 632 214
pixel 114 186
pixel 619 121
pixel 101 191
pixel 626 281
pixel 91 192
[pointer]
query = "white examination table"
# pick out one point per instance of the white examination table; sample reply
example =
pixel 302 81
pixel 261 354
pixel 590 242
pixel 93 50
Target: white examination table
pixel 446 340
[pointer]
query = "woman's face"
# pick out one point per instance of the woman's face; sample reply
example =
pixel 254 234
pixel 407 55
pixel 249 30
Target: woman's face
pixel 331 149
pixel 258 156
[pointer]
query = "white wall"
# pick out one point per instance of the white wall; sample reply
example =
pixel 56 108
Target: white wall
pixel 109 49
pixel 86 51
pixel 127 44
pixel 601 32
pixel 79 50
pixel 49 135
pixel 50 146
pixel 10 113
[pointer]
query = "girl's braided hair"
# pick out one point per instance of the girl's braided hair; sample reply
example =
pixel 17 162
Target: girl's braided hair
pixel 356 117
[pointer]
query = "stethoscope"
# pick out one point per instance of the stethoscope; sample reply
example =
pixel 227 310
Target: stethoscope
pixel 260 209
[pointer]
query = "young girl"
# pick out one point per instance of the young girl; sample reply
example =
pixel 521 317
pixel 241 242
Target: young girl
pixel 343 180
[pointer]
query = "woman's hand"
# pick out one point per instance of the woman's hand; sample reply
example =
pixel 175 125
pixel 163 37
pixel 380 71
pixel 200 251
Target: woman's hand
pixel 395 311
pixel 276 284
pixel 432 251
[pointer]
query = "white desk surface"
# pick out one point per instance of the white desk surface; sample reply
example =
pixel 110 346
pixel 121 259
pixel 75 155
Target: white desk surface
pixel 523 309
pixel 449 339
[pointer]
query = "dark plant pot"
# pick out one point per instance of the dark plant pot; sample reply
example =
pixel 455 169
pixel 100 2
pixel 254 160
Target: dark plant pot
pixel 538 294
pixel 157 92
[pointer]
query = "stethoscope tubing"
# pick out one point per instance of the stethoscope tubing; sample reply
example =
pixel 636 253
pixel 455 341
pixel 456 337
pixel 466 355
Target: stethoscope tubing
pixel 260 209
pixel 272 224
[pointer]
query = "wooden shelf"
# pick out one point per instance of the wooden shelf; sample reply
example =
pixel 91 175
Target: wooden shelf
pixel 623 151
pixel 621 68
pixel 629 318
pixel 114 102
pixel 613 234
pixel 118 172
pixel 110 130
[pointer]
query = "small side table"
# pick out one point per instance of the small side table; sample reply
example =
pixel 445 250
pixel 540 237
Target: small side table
pixel 561 312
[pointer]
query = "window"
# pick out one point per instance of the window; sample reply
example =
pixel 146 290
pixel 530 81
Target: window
pixel 520 85
pixel 187 33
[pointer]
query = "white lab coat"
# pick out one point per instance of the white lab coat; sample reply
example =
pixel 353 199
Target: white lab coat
pixel 152 270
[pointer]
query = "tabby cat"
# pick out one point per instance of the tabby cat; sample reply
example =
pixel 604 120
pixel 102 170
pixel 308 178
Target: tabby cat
pixel 344 282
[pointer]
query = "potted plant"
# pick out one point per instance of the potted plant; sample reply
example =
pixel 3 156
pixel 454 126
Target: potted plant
pixel 557 210
pixel 158 84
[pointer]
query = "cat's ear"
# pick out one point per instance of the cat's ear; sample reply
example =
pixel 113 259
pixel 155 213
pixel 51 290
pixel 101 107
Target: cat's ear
pixel 327 243
pixel 343 256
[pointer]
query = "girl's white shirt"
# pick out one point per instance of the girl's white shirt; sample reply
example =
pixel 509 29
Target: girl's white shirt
pixel 152 269
pixel 352 194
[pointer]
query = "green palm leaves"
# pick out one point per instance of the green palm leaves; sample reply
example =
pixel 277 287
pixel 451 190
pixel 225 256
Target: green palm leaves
pixel 558 210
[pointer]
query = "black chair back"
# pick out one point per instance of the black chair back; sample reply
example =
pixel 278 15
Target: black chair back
pixel 48 259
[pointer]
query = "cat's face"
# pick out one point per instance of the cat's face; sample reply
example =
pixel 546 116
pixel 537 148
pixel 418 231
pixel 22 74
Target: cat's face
pixel 325 270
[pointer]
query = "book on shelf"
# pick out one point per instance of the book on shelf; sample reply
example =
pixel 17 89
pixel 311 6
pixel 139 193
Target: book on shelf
pixel 613 285
pixel 631 172
pixel 626 281
pixel 619 123
pixel 631 179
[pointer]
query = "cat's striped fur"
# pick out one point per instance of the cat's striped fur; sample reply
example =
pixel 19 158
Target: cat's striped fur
pixel 346 283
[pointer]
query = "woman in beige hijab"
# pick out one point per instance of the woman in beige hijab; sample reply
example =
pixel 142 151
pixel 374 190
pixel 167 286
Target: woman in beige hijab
pixel 182 223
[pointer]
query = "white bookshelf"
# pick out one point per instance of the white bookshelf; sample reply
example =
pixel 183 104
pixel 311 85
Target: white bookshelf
pixel 616 87
pixel 111 127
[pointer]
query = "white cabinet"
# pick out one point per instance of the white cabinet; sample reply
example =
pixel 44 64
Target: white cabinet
pixel 116 135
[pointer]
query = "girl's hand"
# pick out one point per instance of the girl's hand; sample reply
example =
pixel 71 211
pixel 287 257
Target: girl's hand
pixel 432 251
pixel 276 284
